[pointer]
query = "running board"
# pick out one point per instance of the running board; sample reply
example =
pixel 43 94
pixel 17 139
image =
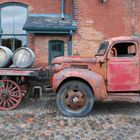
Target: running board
pixel 135 97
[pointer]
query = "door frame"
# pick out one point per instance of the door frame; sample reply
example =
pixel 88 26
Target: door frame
pixel 50 49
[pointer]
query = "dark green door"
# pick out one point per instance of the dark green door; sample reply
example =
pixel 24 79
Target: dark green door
pixel 56 48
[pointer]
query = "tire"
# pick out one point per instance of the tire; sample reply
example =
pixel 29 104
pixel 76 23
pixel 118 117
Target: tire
pixel 75 99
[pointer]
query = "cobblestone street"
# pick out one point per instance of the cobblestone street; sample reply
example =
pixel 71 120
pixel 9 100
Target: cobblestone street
pixel 40 120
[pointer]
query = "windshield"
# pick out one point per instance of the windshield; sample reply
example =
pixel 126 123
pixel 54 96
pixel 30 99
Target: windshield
pixel 103 48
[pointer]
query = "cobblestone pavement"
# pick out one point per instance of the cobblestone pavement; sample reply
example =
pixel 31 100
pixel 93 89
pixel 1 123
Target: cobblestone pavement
pixel 40 120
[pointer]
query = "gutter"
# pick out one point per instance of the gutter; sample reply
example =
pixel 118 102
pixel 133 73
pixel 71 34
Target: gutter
pixel 73 28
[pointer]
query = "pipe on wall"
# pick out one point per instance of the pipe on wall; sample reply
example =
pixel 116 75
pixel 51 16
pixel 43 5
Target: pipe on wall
pixel 70 43
pixel 62 9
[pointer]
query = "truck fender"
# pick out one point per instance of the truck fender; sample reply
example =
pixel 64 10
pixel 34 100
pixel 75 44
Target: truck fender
pixel 95 81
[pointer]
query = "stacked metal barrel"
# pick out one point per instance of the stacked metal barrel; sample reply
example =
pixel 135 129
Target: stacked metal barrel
pixel 21 58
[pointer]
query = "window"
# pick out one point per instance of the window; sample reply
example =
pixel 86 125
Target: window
pixel 123 50
pixel 102 49
pixel 12 18
pixel 56 48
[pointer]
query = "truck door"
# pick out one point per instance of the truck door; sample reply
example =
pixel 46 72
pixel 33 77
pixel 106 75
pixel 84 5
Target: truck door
pixel 123 67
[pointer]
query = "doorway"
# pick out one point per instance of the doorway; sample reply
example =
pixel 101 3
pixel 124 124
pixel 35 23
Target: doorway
pixel 56 48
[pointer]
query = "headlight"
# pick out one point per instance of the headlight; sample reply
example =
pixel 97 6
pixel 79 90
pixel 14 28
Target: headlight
pixel 57 67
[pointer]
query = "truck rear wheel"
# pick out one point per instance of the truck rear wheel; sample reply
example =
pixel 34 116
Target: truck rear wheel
pixel 75 99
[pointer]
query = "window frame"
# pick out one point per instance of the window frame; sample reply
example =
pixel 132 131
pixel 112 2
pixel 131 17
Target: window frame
pixel 134 42
pixel 7 4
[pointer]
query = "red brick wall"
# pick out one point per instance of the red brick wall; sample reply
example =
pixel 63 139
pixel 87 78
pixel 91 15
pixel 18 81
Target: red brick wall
pixel 44 6
pixel 137 16
pixel 40 45
pixel 97 20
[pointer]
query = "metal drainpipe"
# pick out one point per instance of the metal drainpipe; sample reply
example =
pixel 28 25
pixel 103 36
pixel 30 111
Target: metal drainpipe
pixel 70 43
pixel 62 8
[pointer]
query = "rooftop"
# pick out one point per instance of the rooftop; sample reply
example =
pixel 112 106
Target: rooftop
pixel 45 23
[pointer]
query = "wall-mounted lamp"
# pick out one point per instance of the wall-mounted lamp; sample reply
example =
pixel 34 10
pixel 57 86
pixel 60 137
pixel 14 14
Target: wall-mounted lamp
pixel 103 1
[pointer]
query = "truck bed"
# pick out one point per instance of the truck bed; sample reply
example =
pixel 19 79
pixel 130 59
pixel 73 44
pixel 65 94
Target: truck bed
pixel 12 71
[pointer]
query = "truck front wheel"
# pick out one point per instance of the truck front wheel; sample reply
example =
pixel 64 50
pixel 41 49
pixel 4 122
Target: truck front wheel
pixel 75 99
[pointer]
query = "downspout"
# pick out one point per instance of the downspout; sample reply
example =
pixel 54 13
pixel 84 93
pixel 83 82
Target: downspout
pixel 62 9
pixel 70 43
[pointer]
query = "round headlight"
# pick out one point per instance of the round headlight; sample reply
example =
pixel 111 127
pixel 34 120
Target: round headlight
pixel 57 67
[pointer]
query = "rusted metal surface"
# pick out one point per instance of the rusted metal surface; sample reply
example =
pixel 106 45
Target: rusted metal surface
pixel 10 95
pixel 134 97
pixel 95 80
pixel 23 82
pixel 123 75
pixel 13 90
pixel 104 73
pixel 123 72
pixel 73 59
pixel 20 71
pixel 75 99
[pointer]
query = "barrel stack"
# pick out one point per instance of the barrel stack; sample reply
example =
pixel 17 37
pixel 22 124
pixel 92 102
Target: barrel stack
pixel 5 57
pixel 21 58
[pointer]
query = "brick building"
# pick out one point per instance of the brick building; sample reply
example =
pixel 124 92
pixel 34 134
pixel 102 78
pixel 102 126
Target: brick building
pixel 64 27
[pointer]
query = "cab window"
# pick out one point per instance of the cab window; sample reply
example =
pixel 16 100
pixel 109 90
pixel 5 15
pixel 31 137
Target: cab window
pixel 123 50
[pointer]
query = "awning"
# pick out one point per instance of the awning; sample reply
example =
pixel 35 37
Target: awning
pixel 49 24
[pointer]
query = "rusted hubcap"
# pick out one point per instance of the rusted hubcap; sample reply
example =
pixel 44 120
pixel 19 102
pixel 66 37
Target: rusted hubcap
pixel 10 95
pixel 5 95
pixel 75 99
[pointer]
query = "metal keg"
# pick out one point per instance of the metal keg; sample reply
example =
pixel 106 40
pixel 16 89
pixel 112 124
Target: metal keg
pixel 23 57
pixel 5 57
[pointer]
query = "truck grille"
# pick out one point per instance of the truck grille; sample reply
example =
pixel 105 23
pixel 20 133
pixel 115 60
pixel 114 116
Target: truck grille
pixel 80 66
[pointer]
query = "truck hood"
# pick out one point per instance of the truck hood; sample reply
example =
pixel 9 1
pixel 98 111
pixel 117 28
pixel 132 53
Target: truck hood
pixel 74 59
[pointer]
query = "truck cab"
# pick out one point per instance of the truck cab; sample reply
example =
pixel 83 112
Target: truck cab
pixel 112 74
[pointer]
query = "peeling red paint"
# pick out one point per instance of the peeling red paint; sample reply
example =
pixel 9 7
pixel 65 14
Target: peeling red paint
pixel 95 80
pixel 104 73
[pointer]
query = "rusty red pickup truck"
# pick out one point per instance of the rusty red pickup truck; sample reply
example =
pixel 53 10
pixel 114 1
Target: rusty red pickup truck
pixel 112 74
